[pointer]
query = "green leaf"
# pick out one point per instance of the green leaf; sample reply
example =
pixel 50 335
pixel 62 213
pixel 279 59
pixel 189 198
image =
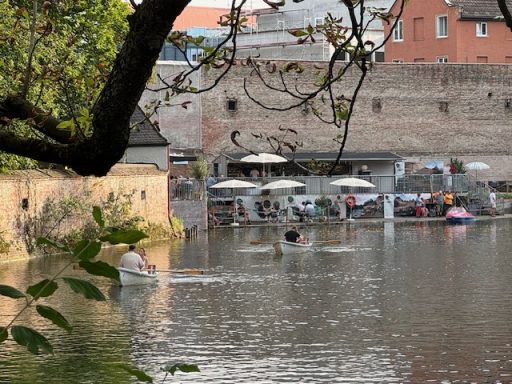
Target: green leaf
pixel 31 339
pixel 13 293
pixel 65 124
pixel 85 288
pixel 51 243
pixel 298 33
pixel 3 334
pixel 134 371
pixel 100 268
pixel 187 368
pixel 86 249
pixel 124 237
pixel 96 214
pixel 55 317
pixel 44 288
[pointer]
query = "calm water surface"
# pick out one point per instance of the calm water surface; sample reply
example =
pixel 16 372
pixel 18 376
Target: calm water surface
pixel 394 303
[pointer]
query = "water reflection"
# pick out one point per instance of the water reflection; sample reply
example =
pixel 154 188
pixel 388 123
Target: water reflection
pixel 394 302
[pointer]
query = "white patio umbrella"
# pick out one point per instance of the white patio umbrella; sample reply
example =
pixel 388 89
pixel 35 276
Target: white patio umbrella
pixel 234 184
pixel 352 182
pixel 283 184
pixel 263 158
pixel 476 166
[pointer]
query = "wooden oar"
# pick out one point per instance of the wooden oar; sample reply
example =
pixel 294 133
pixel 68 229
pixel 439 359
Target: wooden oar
pixel 326 242
pixel 256 242
pixel 189 271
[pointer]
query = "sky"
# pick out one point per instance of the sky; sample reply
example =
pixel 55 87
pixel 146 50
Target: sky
pixel 227 3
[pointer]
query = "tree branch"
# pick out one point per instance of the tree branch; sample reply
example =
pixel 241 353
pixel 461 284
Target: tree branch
pixel 506 12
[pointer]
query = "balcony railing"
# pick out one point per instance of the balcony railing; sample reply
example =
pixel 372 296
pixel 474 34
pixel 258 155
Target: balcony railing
pixel 320 185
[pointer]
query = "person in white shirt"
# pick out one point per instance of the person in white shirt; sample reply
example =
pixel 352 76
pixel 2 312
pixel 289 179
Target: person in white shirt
pixel 132 260
pixel 254 173
pixel 492 201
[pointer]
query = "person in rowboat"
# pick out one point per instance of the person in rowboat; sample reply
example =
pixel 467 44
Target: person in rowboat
pixel 132 260
pixel 292 236
pixel 142 254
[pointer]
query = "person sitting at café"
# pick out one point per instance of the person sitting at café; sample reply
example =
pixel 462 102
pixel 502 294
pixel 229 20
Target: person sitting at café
pixel 243 211
pixel 338 206
pixel 254 173
pixel 292 236
pixel 309 210
pixel 212 218
pixel 272 214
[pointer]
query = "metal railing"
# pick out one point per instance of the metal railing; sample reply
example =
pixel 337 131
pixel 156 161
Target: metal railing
pixel 186 189
pixel 320 185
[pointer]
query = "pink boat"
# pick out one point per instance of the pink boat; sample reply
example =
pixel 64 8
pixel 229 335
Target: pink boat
pixel 458 215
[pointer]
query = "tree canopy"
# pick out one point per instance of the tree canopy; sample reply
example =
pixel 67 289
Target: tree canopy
pixel 66 96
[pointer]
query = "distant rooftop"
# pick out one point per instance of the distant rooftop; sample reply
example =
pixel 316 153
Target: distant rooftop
pixel 199 17
pixel 476 9
pixel 144 133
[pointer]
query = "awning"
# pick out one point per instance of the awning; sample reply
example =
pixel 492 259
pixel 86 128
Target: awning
pixel 328 156
pixel 183 155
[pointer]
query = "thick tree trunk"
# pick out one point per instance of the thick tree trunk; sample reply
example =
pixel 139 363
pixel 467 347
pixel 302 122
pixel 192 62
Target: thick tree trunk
pixel 149 26
pixel 506 12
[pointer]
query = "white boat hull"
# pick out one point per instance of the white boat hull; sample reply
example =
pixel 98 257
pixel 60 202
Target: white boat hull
pixel 287 248
pixel 131 277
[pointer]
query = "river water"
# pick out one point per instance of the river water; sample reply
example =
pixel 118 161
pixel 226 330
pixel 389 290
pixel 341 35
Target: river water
pixel 393 303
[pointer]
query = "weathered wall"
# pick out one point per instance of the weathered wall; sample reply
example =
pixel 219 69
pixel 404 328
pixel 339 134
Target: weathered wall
pixel 147 155
pixel 191 212
pixel 180 126
pixel 475 125
pixel 37 186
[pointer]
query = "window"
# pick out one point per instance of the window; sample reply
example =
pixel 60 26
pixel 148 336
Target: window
pixel 398 32
pixel 342 56
pixel 376 105
pixel 419 60
pixel 442 26
pixel 481 59
pixel 442 59
pixel 481 29
pixel 398 61
pixel 319 21
pixel 508 59
pixel 379 57
pixel 232 105
pixel 419 29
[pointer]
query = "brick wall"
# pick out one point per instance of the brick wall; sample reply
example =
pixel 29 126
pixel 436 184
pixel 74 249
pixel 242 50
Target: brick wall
pixel 37 186
pixel 428 111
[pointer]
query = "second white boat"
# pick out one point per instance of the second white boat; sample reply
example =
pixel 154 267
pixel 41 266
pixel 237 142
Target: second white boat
pixel 283 247
pixel 131 277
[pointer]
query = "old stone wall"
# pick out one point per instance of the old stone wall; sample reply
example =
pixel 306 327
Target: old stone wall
pixel 191 212
pixel 419 111
pixel 24 194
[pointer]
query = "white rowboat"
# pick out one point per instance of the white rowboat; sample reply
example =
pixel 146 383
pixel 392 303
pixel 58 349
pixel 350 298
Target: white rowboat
pixel 131 277
pixel 287 248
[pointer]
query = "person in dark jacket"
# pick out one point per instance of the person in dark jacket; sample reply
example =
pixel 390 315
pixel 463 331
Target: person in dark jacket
pixel 292 236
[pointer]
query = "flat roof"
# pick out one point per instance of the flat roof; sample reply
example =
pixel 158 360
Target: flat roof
pixel 328 156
